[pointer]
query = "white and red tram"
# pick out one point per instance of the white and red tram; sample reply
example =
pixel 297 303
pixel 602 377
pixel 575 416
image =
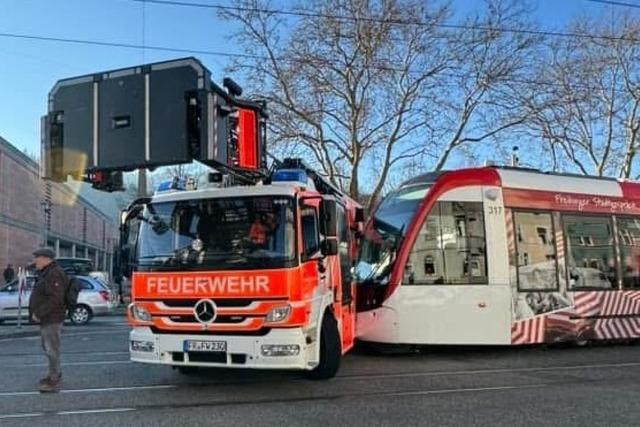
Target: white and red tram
pixel 502 256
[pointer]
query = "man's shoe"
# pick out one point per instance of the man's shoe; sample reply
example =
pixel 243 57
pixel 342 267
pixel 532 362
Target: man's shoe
pixel 51 386
pixel 47 379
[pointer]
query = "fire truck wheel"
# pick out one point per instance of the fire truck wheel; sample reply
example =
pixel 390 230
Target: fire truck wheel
pixel 330 350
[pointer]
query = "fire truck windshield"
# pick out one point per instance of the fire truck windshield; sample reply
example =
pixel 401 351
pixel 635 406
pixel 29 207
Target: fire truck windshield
pixel 386 230
pixel 218 234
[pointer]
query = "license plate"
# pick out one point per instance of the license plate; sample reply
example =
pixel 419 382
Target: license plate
pixel 211 346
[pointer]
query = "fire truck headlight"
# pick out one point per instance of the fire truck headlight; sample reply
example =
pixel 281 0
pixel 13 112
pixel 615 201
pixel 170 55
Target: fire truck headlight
pixel 278 314
pixel 140 313
pixel 143 346
pixel 280 349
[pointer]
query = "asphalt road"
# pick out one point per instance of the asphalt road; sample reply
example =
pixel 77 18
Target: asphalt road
pixel 438 386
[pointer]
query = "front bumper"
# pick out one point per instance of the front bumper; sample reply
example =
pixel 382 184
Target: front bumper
pixel 242 351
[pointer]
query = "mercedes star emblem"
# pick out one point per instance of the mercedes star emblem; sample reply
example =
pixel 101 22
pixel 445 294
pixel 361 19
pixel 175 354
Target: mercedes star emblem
pixel 205 311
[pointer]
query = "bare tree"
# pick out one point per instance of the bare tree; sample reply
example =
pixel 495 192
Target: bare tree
pixel 586 103
pixel 366 88
pixel 491 66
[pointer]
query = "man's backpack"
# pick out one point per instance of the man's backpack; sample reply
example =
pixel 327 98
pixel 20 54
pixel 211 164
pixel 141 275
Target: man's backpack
pixel 73 290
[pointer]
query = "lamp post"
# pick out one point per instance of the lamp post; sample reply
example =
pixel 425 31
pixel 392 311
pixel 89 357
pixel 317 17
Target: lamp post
pixel 46 205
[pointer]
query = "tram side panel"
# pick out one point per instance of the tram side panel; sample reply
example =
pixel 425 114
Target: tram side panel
pixel 566 270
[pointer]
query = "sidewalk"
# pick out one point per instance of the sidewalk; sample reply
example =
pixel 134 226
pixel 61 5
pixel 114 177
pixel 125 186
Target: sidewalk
pixel 9 328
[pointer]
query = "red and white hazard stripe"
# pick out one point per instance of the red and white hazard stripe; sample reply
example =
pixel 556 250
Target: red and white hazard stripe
pixel 587 304
pixel 528 331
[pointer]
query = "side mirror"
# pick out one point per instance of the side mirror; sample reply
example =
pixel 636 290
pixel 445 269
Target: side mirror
pixel 329 217
pixel 124 214
pixel 329 247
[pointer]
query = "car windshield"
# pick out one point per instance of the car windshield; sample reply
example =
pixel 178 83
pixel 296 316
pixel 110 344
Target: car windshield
pixel 221 233
pixel 386 230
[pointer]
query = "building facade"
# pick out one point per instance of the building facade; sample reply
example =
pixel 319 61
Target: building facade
pixel 34 211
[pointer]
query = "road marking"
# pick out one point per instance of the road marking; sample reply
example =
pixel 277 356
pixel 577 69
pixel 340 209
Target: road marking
pixel 457 390
pixel 93 390
pixel 101 362
pixel 70 335
pixel 67 353
pixel 25 415
pixel 269 401
pixel 487 371
pixel 96 411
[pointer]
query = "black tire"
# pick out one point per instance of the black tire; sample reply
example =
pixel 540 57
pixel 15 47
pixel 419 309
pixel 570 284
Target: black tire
pixel 80 314
pixel 330 350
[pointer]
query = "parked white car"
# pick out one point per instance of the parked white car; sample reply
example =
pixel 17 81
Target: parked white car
pixel 95 299
pixel 82 266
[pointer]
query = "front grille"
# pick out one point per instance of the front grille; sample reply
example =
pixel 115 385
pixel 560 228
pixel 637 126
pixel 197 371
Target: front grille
pixel 218 301
pixel 177 318
pixel 205 356
pixel 238 359
pixel 259 333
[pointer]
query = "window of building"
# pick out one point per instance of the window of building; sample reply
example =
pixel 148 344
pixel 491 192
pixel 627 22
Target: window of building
pixel 591 261
pixel 538 268
pixel 542 234
pixel 629 232
pixel 451 247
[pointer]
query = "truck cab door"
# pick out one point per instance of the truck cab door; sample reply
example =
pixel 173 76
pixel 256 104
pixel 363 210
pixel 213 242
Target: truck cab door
pixel 130 221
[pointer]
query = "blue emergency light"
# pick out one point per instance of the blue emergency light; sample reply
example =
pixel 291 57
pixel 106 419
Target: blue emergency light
pixel 289 175
pixel 175 184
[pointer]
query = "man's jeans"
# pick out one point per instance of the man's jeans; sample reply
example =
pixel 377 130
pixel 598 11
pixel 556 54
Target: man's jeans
pixel 51 344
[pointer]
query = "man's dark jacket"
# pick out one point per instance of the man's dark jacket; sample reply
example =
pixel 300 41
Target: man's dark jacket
pixel 47 300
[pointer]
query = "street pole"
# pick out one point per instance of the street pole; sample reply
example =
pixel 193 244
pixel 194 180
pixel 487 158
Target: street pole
pixel 46 207
pixel 21 284
pixel 142 182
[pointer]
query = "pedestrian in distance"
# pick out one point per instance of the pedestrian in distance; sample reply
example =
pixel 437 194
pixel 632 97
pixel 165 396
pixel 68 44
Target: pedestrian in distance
pixel 47 306
pixel 9 273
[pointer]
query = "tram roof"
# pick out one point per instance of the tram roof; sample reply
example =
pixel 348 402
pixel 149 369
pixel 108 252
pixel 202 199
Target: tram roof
pixel 534 179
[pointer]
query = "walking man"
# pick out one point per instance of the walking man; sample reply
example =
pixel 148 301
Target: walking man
pixel 9 274
pixel 47 307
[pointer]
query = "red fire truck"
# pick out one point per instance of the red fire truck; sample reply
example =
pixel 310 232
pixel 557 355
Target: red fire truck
pixel 252 273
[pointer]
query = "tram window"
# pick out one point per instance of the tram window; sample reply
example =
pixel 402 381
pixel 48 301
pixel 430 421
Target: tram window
pixel 536 251
pixel 629 241
pixel 450 248
pixel 591 261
